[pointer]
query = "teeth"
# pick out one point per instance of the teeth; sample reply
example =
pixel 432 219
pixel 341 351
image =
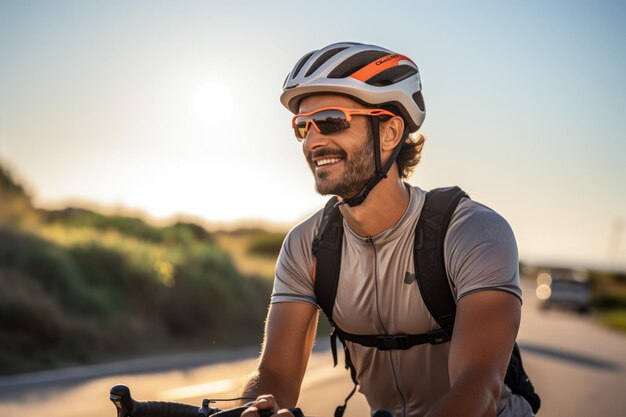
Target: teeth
pixel 323 162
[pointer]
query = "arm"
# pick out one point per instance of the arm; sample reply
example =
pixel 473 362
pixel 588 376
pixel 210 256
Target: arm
pixel 484 333
pixel 289 336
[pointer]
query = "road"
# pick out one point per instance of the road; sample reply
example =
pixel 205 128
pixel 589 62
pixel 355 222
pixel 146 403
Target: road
pixel 577 366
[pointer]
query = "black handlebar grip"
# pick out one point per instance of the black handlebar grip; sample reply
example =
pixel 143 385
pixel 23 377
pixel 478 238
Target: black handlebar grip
pixel 127 407
pixel 164 409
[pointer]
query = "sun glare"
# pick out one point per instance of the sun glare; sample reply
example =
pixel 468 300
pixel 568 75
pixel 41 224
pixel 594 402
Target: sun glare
pixel 213 103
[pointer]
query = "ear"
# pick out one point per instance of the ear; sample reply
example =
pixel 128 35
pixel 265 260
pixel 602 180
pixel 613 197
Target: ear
pixel 391 133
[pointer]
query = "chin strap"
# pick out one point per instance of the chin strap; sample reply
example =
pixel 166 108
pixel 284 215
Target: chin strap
pixel 381 171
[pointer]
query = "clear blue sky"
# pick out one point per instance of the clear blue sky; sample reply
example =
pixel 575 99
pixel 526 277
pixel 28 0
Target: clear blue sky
pixel 524 104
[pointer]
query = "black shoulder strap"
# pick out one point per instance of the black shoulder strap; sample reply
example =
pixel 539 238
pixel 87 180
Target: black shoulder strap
pixel 327 246
pixel 428 256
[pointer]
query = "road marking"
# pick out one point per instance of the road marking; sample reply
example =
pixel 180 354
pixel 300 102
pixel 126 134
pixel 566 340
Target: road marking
pixel 199 390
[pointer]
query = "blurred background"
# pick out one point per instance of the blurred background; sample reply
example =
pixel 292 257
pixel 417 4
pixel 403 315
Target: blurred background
pixel 148 174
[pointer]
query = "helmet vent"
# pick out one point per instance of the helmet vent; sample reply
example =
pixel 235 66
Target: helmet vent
pixel 355 63
pixel 419 100
pixel 392 75
pixel 301 64
pixel 323 58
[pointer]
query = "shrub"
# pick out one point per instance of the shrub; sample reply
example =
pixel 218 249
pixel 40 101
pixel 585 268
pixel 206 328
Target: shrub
pixel 266 244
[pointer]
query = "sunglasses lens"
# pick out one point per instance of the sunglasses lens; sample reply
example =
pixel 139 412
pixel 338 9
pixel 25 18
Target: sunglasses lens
pixel 327 121
pixel 301 130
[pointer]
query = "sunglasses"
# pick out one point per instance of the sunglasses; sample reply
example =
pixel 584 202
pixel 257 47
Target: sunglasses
pixel 330 120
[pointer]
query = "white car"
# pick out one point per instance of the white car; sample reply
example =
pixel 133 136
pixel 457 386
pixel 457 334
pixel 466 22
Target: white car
pixel 564 288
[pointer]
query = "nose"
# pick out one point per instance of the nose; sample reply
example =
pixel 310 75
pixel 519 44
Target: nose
pixel 314 140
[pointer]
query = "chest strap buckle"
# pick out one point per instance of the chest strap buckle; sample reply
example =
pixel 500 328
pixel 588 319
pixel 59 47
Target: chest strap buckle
pixel 400 341
pixel 438 336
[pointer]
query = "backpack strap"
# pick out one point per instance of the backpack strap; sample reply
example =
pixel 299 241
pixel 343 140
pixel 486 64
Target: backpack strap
pixel 327 246
pixel 430 269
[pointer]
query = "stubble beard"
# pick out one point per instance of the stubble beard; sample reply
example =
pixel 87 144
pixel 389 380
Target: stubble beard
pixel 359 169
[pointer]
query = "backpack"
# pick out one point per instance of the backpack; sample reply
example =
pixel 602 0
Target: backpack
pixel 431 277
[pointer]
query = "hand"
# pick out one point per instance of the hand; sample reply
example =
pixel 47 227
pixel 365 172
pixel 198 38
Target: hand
pixel 266 403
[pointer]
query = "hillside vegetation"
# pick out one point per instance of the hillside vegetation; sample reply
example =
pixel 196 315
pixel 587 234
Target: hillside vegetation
pixel 254 251
pixel 77 286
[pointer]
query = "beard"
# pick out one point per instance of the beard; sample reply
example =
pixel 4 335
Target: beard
pixel 359 167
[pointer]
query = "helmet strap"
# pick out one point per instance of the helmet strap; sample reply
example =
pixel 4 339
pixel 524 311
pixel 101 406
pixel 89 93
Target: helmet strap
pixel 381 171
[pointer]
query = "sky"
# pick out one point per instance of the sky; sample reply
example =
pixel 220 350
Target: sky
pixel 171 108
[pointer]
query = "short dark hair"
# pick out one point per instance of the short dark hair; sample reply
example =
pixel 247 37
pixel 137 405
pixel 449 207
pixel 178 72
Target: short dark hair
pixel 410 154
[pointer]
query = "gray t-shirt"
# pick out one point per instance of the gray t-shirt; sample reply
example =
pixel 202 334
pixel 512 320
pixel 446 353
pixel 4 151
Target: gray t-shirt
pixel 378 294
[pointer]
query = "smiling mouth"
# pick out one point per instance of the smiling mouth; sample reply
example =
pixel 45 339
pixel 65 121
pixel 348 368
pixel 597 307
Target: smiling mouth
pixel 326 162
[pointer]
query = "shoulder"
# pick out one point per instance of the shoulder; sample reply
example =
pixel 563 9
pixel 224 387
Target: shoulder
pixel 298 243
pixel 472 220
pixel 480 250
pixel 303 233
pixel 294 267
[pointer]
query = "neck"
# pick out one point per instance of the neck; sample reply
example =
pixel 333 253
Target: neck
pixel 382 208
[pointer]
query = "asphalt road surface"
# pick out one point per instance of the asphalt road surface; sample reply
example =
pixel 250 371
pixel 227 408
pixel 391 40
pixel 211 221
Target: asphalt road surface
pixel 577 366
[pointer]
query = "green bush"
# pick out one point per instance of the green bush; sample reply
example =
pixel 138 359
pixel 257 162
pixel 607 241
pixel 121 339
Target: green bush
pixel 90 299
pixel 266 244
pixel 15 203
pixel 50 265
pixel 77 286
pixel 177 234
pixel 209 294
pixel 36 330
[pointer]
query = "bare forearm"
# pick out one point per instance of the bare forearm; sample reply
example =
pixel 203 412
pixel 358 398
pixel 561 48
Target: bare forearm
pixel 263 382
pixel 473 394
pixel 289 336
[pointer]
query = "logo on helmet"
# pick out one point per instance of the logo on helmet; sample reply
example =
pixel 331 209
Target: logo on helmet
pixel 388 58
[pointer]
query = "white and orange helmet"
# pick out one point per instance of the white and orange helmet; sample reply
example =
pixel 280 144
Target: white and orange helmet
pixel 370 74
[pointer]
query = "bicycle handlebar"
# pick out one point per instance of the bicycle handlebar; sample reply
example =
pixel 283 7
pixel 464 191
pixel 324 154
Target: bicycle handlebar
pixel 128 407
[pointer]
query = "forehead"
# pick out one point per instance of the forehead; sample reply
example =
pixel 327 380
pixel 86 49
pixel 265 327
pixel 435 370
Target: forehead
pixel 313 103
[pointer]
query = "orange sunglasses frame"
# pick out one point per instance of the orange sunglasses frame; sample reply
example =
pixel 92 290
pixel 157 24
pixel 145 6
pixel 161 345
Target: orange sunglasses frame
pixel 346 111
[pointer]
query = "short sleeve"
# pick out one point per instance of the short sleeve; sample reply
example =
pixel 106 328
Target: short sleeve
pixel 480 251
pixel 293 281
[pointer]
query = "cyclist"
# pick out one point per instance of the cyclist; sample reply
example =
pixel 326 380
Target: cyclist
pixel 358 108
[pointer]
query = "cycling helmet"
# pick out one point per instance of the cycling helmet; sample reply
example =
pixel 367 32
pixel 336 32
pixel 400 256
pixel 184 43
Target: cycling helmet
pixel 370 74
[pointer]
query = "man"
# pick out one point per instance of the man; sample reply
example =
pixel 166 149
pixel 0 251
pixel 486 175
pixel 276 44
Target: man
pixel 355 107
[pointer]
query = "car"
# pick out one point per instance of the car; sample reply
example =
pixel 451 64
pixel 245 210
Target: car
pixel 564 288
